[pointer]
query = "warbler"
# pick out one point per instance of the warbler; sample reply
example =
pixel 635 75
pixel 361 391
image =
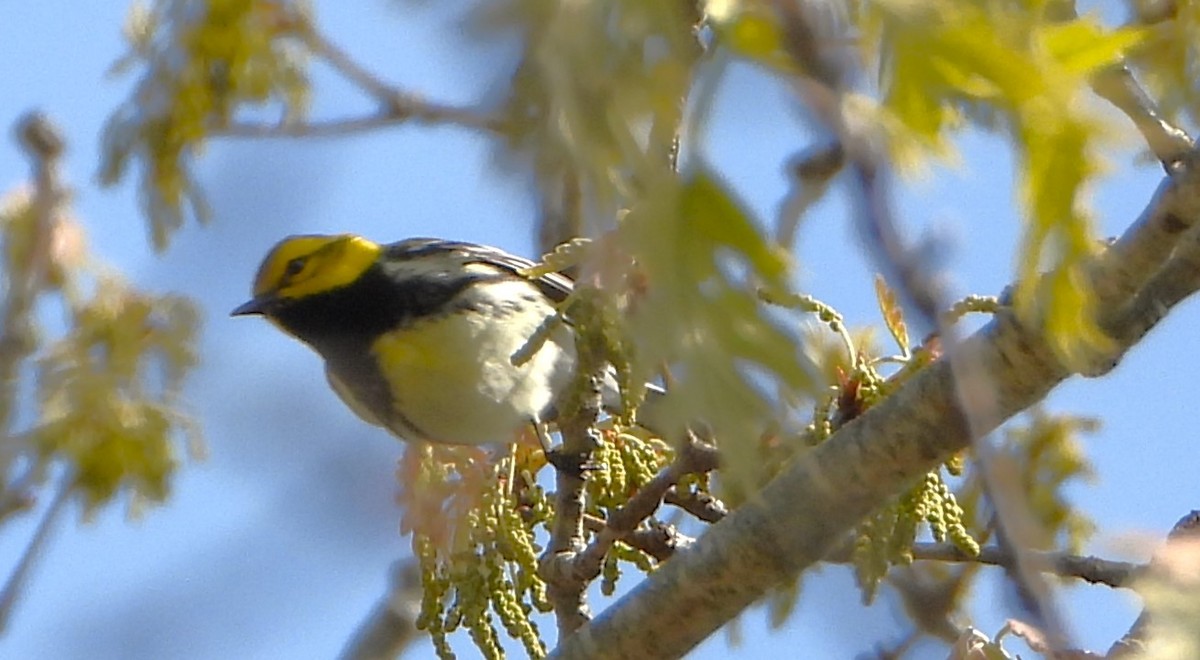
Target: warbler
pixel 419 336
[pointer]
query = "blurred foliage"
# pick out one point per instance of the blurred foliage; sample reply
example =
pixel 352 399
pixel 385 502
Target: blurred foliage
pixel 478 558
pixel 200 62
pixel 108 377
pixel 886 538
pixel 939 60
pixel 597 96
pixel 705 259
pixel 104 409
pixel 1046 454
pixel 1172 607
pixel 1167 60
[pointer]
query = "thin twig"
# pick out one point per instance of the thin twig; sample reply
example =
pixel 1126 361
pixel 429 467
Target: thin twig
pixel 342 63
pixel 396 105
pixel 20 574
pixel 430 113
pixel 1096 570
pixel 660 540
pixel 811 173
pixel 561 213
pixel 44 146
pixel 1116 84
pixel 17 495
pixel 703 506
pixel 693 457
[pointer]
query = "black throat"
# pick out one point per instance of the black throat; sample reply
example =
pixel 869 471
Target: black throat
pixel 347 320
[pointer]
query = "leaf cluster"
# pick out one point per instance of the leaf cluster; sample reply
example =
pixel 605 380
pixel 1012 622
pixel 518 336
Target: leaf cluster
pixel 479 525
pixel 200 61
pixel 108 378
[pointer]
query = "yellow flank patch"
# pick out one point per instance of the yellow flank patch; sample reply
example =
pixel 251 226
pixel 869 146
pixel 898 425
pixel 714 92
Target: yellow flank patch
pixel 304 265
pixel 427 355
pixel 447 392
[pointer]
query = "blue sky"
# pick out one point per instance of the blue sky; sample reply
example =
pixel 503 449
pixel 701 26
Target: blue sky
pixel 278 544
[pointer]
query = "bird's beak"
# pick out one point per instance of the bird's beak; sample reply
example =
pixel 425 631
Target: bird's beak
pixel 256 306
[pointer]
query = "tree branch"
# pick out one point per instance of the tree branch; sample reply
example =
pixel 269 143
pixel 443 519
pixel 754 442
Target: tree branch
pixel 566 593
pixel 701 505
pixel 1117 85
pixel 429 113
pixel 693 457
pixel 43 144
pixel 392 624
pixel 396 106
pixel 659 540
pixel 20 573
pixel 1096 570
pixel 805 511
pixel 396 103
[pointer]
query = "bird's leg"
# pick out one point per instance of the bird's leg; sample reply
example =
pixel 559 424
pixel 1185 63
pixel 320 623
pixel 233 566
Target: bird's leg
pixel 511 486
pixel 571 464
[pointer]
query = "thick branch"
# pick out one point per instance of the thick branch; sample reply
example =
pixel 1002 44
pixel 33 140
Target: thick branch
pixel 803 513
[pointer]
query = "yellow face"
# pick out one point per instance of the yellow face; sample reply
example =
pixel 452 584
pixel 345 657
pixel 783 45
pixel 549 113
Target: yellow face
pixel 301 266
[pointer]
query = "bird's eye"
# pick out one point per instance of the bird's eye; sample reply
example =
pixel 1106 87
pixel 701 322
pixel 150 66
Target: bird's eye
pixel 294 267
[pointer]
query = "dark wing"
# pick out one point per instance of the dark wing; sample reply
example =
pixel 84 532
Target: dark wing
pixel 555 286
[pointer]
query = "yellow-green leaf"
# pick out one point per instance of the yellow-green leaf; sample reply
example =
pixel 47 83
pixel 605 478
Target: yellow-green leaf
pixel 1083 46
pixel 754 35
pixel 893 314
pixel 711 210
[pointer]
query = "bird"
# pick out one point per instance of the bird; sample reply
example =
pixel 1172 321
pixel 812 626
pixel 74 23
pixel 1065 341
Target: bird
pixel 419 336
